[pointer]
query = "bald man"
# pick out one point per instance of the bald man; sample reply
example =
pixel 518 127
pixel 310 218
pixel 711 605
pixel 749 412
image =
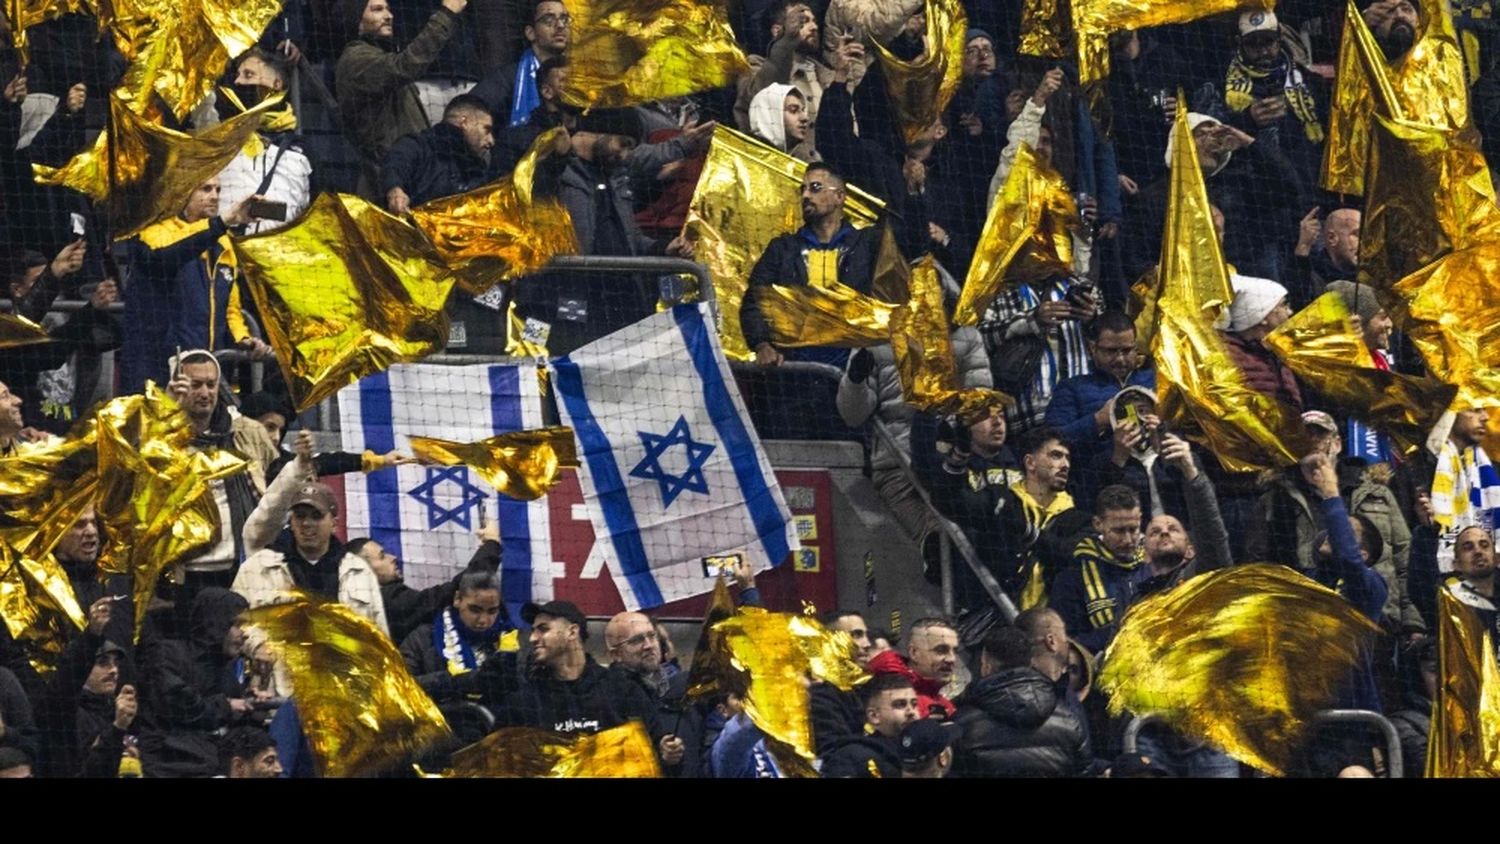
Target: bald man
pixel 635 649
pixel 1474 585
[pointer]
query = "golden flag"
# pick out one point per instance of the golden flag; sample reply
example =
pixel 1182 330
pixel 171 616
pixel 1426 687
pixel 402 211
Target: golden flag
pixel 711 670
pixel 1027 236
pixel 1428 86
pixel 1322 349
pixel 523 464
pixel 499 232
pixel 778 653
pixel 360 708
pixel 16 330
pixel 345 292
pixel 1465 737
pixel 1198 655
pixel 1203 393
pixel 921 89
pixel 156 169
pixel 837 315
pixel 745 198
pixel 1095 20
pixel 1046 28
pixel 629 52
pixel 923 351
pixel 623 752
pixel 154 493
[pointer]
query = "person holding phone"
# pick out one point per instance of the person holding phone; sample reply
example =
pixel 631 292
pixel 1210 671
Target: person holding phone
pixel 1273 98
pixel 281 172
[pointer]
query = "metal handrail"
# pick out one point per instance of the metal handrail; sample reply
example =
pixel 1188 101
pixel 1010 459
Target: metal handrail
pixel 1395 767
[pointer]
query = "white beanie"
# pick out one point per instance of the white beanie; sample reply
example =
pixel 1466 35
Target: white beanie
pixel 1254 298
pixel 1194 120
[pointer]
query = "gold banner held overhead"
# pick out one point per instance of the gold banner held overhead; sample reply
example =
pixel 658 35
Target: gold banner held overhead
pixel 1095 20
pixel 524 464
pixel 921 89
pixel 631 52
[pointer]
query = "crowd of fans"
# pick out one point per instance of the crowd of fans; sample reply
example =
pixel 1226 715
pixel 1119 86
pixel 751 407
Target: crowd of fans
pixel 1078 499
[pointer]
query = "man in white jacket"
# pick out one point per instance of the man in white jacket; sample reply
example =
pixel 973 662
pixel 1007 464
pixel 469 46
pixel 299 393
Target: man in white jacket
pixel 281 172
pixel 311 558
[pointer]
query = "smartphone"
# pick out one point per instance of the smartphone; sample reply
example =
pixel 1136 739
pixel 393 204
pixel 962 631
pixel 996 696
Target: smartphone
pixel 723 565
pixel 267 210
pixel 79 225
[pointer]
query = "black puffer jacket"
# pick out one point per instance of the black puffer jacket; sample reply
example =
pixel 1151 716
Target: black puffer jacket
pixel 1014 725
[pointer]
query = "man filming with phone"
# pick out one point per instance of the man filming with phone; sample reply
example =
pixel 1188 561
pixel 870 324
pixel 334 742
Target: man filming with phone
pixel 281 172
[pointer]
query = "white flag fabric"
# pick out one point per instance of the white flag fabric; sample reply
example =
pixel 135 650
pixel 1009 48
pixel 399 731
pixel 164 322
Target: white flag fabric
pixel 672 470
pixel 427 516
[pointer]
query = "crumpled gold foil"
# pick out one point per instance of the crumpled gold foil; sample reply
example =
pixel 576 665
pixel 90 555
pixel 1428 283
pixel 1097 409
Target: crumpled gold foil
pixel 1046 28
pixel 923 350
pixel 156 169
pixel 16 330
pixel 1095 20
pixel 837 315
pixel 361 710
pixel 1027 236
pixel 1321 348
pixel 38 606
pixel 154 495
pixel 24 14
pixel 1241 658
pixel 499 232
pixel 780 653
pixel 921 89
pixel 625 751
pixel 1203 394
pixel 629 52
pixel 1464 740
pixel 522 464
pixel 1428 86
pixel 344 292
pixel 747 196
pixel 711 670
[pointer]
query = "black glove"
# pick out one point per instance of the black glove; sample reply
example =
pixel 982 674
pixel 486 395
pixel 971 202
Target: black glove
pixel 953 437
pixel 860 366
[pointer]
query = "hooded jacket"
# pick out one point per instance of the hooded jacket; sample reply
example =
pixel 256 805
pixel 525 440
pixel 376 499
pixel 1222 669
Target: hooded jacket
pixel 768 121
pixel 187 686
pixel 1013 725
pixel 929 692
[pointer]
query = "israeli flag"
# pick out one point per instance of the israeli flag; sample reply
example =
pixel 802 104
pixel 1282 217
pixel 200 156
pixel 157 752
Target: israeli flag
pixel 427 516
pixel 672 471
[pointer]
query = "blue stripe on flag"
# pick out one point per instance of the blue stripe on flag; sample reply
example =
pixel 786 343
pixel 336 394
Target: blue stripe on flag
pixel 382 489
pixel 514 515
pixel 614 498
pixel 769 524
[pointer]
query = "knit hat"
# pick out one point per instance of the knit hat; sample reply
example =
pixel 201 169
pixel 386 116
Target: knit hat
pixel 1254 298
pixel 1358 298
pixel 198 355
pixel 975 32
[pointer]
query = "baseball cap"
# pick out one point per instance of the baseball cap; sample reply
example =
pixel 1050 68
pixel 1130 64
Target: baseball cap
pixel 557 609
pixel 1319 419
pixel 923 739
pixel 319 497
pixel 1258 20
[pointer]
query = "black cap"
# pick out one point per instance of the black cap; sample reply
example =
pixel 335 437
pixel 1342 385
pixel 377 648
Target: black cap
pixel 1136 766
pixel 612 121
pixel 556 609
pixel 923 739
pixel 108 647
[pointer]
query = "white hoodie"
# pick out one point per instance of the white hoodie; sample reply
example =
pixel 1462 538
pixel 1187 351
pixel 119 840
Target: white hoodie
pixel 767 118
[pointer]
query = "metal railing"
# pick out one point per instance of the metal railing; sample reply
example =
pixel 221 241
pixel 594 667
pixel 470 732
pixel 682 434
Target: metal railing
pixel 1395 767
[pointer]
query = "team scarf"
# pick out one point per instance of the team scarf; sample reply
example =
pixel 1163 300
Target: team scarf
pixel 1034 593
pixel 458 654
pixel 1240 81
pixel 1465 492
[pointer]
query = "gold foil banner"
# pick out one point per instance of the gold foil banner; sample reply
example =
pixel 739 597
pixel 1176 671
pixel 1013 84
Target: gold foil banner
pixel 1095 20
pixel 1027 236
pixel 711 670
pixel 1203 393
pixel 921 89
pixel 1321 348
pixel 1465 737
pixel 747 196
pixel 523 464
pixel 155 169
pixel 16 330
pixel 38 607
pixel 623 752
pixel 1428 86
pixel 1198 655
pixel 360 708
pixel 780 652
pixel 837 316
pixel 499 232
pixel 923 352
pixel 1046 28
pixel 630 52
pixel 345 292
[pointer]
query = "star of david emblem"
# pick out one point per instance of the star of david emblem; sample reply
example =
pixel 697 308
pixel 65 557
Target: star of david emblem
pixel 437 478
pixel 690 479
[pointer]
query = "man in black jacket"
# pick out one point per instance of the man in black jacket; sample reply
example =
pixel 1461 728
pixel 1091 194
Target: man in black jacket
pixel 450 158
pixel 443 654
pixel 1013 718
pixel 635 649
pixel 890 704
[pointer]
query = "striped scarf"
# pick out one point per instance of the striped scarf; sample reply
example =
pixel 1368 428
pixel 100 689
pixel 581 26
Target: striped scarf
pixel 1465 491
pixel 1034 593
pixel 1239 84
pixel 1102 606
